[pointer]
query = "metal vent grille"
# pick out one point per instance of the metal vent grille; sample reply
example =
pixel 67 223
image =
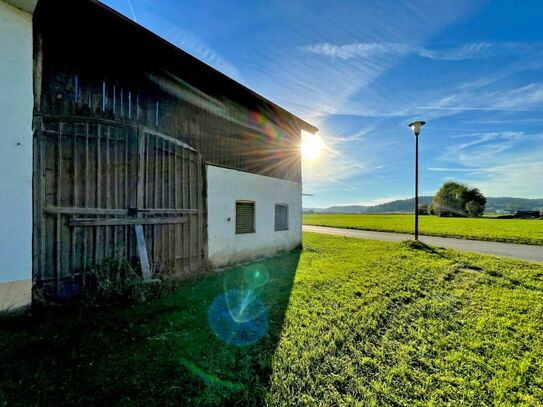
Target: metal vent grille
pixel 245 217
pixel 281 217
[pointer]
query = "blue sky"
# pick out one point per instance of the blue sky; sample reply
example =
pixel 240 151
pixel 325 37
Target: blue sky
pixel 362 70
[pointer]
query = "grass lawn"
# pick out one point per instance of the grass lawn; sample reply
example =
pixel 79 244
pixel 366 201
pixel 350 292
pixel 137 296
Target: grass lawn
pixel 344 322
pixel 529 231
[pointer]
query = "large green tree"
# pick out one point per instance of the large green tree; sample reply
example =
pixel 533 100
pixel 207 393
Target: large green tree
pixel 455 199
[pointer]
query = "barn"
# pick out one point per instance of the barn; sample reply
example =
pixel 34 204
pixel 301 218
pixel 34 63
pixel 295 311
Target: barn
pixel 117 144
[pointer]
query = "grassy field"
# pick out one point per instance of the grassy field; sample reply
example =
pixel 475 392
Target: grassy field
pixel 344 322
pixel 527 231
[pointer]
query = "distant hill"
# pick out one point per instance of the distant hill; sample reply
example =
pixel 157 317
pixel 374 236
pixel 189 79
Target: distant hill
pixel 339 209
pixel 400 205
pixel 493 204
pixel 513 204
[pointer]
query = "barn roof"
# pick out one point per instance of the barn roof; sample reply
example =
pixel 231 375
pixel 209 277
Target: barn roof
pixel 200 74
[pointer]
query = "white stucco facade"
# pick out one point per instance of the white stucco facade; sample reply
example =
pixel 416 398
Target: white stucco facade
pixel 16 105
pixel 224 188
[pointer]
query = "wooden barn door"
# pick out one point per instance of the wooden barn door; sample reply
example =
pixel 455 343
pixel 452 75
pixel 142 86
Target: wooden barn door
pixel 171 202
pixel 95 183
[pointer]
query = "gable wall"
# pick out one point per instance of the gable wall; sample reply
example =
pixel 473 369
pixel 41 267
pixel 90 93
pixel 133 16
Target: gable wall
pixel 16 104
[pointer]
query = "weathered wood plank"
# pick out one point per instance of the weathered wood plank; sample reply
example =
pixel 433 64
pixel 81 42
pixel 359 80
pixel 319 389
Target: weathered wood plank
pixel 98 191
pixel 115 188
pixel 107 175
pixel 38 201
pixel 155 196
pixel 58 198
pixel 74 196
pixel 185 204
pixel 163 231
pixel 140 189
pixel 201 213
pixel 191 223
pixel 86 197
pixel 142 252
pixel 147 201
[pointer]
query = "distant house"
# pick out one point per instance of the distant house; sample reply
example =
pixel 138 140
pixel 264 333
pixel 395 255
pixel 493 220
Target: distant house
pixel 116 142
pixel 423 209
pixel 527 214
pixel 503 212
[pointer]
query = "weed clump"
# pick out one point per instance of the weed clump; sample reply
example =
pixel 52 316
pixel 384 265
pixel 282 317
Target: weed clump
pixel 116 281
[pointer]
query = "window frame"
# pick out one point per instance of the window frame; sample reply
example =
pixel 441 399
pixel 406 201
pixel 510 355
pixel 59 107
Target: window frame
pixel 242 201
pixel 287 217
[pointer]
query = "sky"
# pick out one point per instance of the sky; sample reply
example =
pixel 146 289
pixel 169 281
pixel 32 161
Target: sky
pixel 362 70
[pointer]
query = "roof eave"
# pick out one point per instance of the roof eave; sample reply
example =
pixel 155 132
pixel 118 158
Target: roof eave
pixel 303 124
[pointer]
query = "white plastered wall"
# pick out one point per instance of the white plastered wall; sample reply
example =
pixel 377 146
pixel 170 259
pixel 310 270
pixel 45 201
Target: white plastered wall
pixel 16 104
pixel 224 188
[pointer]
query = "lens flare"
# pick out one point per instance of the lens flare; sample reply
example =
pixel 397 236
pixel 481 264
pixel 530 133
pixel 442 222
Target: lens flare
pixel 238 317
pixel 312 146
pixel 256 276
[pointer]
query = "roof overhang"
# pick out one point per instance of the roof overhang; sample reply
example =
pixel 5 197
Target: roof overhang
pixel 25 5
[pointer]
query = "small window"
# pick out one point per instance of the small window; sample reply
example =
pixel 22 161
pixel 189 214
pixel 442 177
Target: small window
pixel 245 217
pixel 281 217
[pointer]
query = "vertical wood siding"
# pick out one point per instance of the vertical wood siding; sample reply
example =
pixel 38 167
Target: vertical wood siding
pixel 101 66
pixel 94 180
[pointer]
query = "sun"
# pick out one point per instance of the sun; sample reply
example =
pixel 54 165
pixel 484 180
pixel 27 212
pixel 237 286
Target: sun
pixel 312 146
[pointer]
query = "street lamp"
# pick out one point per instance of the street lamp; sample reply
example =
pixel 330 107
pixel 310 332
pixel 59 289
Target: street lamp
pixel 415 128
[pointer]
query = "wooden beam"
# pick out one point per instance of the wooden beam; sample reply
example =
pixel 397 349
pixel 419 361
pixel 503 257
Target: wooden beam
pixel 63 210
pixel 80 222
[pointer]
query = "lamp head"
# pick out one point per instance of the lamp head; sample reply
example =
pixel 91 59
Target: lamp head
pixel 415 127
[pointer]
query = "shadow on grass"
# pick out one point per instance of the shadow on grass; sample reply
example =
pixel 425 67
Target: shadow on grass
pixel 418 245
pixel 211 342
pixel 440 252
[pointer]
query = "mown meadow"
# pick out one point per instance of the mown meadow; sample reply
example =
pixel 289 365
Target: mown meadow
pixel 527 231
pixel 343 322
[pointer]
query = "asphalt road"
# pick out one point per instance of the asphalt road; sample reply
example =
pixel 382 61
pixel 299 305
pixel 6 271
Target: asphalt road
pixel 516 251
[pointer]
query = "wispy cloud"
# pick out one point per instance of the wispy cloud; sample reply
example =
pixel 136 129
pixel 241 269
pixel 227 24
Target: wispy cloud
pixel 164 25
pixel 481 94
pixel 514 179
pixel 358 50
pixel 499 163
pixel 465 108
pixel 525 98
pixel 457 53
pixel 332 172
pixel 504 121
pixel 484 146
pixel 479 50
pixel 444 169
pixel 344 185
pixel 197 47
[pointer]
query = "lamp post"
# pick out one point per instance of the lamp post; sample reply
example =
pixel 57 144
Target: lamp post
pixel 415 128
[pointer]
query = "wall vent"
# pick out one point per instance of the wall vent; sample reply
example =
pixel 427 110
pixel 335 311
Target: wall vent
pixel 245 217
pixel 281 217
